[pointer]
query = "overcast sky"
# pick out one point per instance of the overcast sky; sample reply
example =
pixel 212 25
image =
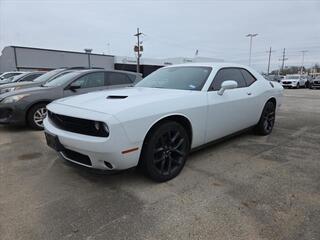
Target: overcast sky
pixel 172 28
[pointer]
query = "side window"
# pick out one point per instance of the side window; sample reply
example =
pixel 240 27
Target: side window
pixel 228 74
pixel 114 78
pixel 30 77
pixel 91 80
pixel 133 77
pixel 248 77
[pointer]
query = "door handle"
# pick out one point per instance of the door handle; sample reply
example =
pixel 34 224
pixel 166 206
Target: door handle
pixel 249 93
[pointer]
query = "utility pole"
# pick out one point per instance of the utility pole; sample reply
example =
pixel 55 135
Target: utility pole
pixel 138 49
pixel 251 35
pixel 302 63
pixel 283 59
pixel 270 51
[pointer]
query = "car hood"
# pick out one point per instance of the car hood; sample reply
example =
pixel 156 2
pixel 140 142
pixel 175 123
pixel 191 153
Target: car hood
pixel 115 101
pixel 31 90
pixel 18 84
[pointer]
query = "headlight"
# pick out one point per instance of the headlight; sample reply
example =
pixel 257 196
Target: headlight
pixel 4 90
pixel 102 128
pixel 106 128
pixel 14 98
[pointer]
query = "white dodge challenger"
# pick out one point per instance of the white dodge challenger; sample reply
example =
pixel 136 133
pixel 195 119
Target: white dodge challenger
pixel 156 123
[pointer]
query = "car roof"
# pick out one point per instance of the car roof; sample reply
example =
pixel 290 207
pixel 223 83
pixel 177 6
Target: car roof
pixel 14 72
pixel 106 70
pixel 209 64
pixel 218 65
pixel 34 72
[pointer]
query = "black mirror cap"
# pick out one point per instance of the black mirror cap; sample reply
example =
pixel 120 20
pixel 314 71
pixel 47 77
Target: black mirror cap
pixel 73 88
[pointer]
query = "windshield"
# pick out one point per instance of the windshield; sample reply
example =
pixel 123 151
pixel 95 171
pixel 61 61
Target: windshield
pixel 7 75
pixel 292 77
pixel 183 78
pixel 61 80
pixel 7 80
pixel 47 76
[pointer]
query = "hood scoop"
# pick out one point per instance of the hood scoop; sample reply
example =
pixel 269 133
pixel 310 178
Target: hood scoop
pixel 116 97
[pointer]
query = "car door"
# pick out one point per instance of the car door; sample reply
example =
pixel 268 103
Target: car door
pixel 118 79
pixel 302 81
pixel 231 111
pixel 89 82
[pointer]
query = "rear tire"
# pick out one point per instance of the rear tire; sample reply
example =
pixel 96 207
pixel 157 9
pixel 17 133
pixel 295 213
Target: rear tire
pixel 165 151
pixel 267 119
pixel 36 115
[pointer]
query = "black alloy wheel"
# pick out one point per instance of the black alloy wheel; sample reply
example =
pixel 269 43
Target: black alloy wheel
pixel 267 119
pixel 165 151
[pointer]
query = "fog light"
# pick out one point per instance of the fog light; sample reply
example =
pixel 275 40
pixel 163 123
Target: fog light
pixel 108 165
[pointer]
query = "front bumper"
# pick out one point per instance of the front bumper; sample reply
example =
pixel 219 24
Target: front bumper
pixel 97 152
pixel 315 84
pixel 12 113
pixel 289 84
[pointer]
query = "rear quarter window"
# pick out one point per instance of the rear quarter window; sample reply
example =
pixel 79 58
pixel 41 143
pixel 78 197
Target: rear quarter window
pixel 248 77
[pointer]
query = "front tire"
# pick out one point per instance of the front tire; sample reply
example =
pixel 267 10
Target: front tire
pixel 165 151
pixel 267 119
pixel 307 84
pixel 36 115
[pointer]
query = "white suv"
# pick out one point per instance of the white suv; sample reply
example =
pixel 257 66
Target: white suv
pixel 294 81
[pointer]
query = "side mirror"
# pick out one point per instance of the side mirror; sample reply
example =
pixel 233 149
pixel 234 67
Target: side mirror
pixel 228 84
pixel 74 86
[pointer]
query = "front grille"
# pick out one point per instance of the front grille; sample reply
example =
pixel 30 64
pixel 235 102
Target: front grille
pixel 78 125
pixel 77 157
pixel 316 82
pixel 286 82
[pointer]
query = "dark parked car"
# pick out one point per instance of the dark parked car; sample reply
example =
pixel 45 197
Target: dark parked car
pixel 24 77
pixel 314 83
pixel 48 76
pixel 29 105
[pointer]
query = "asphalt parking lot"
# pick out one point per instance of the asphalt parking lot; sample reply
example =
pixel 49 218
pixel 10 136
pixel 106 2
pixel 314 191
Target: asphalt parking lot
pixel 249 187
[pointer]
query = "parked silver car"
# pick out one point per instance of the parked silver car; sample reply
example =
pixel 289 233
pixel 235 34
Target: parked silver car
pixel 24 77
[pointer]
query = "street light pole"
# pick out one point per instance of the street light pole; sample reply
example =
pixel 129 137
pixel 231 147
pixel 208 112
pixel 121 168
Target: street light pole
pixel 302 63
pixel 251 35
pixel 88 51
